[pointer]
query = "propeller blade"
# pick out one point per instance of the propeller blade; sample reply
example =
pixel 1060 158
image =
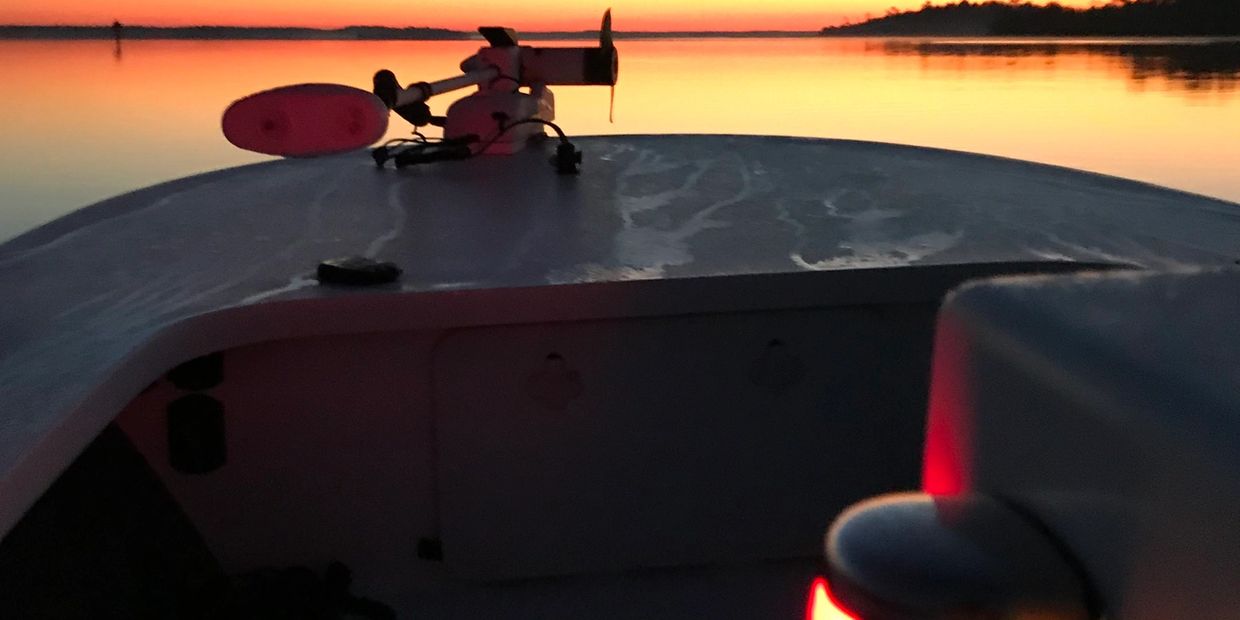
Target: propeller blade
pixel 605 41
pixel 604 34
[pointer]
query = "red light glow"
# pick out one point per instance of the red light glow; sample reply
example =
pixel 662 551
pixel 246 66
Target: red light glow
pixel 822 606
pixel 948 452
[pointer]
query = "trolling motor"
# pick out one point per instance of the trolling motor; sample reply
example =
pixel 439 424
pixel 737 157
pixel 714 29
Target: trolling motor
pixel 512 106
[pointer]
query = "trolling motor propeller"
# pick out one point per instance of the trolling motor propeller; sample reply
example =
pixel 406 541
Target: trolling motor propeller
pixel 319 119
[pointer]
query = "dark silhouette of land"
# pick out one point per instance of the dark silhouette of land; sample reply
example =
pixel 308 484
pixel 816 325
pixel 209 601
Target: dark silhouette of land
pixel 1125 18
pixel 349 33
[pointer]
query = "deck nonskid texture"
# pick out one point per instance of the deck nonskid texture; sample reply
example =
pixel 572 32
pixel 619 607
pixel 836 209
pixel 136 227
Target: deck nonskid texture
pixel 88 298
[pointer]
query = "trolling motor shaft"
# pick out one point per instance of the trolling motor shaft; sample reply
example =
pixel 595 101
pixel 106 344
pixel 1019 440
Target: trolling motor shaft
pixel 388 90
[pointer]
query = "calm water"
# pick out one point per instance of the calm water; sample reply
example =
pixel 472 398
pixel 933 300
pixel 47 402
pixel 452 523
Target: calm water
pixel 84 121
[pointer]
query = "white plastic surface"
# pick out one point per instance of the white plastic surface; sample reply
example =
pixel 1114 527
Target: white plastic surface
pixel 103 301
pixel 1108 407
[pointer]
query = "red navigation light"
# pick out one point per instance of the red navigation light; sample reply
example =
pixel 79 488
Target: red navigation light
pixel 822 606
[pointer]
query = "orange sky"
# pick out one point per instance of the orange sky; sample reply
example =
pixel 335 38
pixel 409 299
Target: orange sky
pixel 462 14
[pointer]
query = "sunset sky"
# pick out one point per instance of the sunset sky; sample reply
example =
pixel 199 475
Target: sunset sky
pixel 462 14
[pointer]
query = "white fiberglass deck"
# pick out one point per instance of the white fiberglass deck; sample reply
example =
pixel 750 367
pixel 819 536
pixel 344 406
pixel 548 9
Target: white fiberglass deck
pixel 102 302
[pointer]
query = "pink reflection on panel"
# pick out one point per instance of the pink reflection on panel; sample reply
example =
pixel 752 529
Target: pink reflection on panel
pixel 948 453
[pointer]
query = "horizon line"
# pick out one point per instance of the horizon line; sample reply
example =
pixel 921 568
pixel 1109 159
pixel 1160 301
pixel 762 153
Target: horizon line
pixel 439 28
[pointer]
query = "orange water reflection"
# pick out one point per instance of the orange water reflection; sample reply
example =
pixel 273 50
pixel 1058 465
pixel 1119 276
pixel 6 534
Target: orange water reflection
pixel 84 123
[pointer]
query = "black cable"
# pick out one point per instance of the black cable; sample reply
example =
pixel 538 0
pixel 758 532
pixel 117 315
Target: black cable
pixel 418 138
pixel 529 121
pixel 417 151
pixel 409 148
pixel 567 158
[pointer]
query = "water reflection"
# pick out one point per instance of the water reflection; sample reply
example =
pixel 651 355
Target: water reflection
pixel 118 33
pixel 1194 66
pixel 1156 111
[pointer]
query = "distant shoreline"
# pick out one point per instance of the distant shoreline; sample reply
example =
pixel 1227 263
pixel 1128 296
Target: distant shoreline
pixel 1019 18
pixel 349 33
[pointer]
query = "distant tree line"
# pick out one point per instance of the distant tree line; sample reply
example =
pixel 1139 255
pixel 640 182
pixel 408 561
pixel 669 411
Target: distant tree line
pixel 1014 18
